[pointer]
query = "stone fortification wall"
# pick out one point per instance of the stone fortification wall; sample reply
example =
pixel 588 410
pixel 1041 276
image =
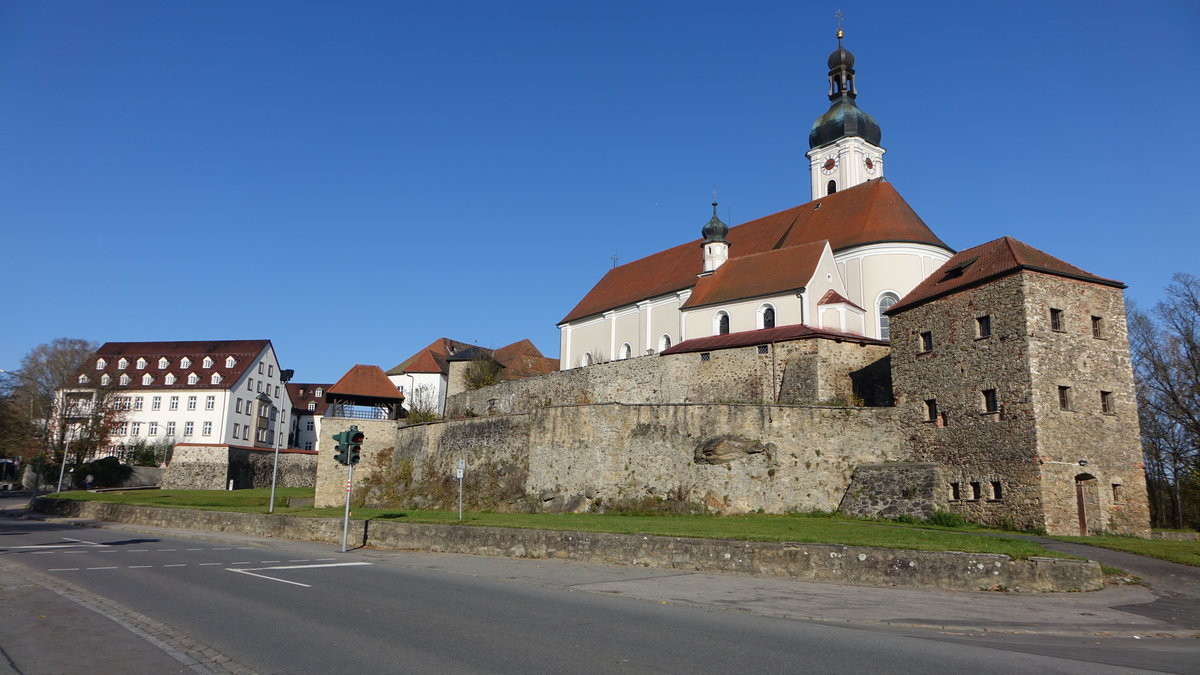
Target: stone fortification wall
pixel 895 489
pixel 733 458
pixel 800 371
pixel 330 480
pixel 211 467
pixel 1018 465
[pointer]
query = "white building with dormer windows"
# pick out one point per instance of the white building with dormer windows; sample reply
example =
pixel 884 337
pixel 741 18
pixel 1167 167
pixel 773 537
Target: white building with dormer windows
pixel 211 392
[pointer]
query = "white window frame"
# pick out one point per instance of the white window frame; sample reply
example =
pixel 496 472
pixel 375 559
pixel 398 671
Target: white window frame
pixel 156 403
pixel 173 403
pixel 189 428
pixel 104 380
pixel 210 402
pixel 124 378
pixel 716 322
pixel 664 342
pixel 760 318
pixel 185 362
pixel 895 297
pixel 230 362
pixel 206 430
pixel 122 364
pixel 163 362
pixel 626 351
pixel 208 362
pixel 191 403
pixel 141 364
pixel 193 378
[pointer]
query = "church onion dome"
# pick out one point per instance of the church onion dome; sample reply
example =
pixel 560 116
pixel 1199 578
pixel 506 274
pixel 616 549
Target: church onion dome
pixel 715 230
pixel 844 118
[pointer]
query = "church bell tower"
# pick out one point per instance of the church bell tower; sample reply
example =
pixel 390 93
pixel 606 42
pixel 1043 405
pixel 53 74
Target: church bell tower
pixel 844 142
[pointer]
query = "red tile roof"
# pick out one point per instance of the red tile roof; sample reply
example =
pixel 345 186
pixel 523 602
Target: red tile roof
pixel 992 260
pixel 766 273
pixel 244 353
pixel 431 359
pixel 865 214
pixel 832 297
pixel 522 359
pixel 366 382
pixel 303 393
pixel 764 336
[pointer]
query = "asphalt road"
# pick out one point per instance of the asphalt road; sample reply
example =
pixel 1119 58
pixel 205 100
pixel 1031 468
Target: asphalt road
pixel 87 600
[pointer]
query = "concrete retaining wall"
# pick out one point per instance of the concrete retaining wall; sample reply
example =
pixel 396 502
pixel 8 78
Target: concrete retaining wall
pixel 809 562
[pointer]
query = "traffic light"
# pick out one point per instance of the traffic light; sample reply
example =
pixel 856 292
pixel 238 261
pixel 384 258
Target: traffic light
pixel 341 447
pixel 354 439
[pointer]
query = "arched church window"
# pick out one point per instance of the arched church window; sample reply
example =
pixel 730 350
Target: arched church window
pixel 831 187
pixel 885 302
pixel 664 342
pixel 721 323
pixel 766 316
pixel 626 351
pixel 586 359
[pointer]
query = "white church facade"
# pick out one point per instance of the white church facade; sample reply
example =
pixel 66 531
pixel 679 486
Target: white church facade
pixel 835 263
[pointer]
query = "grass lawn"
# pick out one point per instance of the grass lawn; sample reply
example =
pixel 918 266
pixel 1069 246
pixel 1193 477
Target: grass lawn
pixel 754 527
pixel 1183 552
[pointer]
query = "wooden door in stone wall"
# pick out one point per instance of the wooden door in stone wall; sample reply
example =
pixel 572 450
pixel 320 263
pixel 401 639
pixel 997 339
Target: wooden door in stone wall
pixel 1087 501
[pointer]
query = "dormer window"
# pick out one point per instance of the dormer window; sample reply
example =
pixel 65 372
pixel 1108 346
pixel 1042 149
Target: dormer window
pixel 83 379
pixel 208 362
pixel 312 405
pixel 100 363
pixel 193 378
pixel 163 362
pixel 125 380
pixel 170 378
pixel 185 362
pixel 319 393
pixel 230 362
pixel 216 378
pixel 146 379
pixel 122 364
pixel 104 380
pixel 141 364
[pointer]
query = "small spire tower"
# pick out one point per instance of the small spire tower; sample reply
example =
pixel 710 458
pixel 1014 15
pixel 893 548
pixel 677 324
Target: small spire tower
pixel 843 144
pixel 716 247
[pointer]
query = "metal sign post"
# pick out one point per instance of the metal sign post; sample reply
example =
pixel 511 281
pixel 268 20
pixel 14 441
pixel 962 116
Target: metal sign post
pixel 462 464
pixel 346 517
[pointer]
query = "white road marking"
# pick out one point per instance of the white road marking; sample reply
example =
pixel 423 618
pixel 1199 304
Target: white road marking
pixel 82 541
pixel 193 549
pixel 223 549
pixel 43 552
pixel 74 552
pixel 45 546
pixel 251 570
pixel 176 565
pixel 139 550
pixel 109 550
pixel 63 569
pixel 102 568
pixel 203 564
pixel 300 560
pixel 168 549
pixel 320 559
pixel 263 576
pixel 140 567
pixel 271 561
pixel 240 562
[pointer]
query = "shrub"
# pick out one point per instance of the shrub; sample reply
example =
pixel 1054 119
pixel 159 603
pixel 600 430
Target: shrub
pixel 105 472
pixel 946 519
pixel 482 371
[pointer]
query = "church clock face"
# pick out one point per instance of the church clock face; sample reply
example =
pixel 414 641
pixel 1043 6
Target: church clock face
pixel 829 165
pixel 870 164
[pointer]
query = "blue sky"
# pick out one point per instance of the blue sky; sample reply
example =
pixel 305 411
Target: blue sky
pixel 215 170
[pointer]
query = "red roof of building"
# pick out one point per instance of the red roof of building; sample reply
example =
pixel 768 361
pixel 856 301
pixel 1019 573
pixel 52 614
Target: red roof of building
pixel 244 353
pixel 872 212
pixel 303 393
pixel 764 336
pixel 522 359
pixel 992 260
pixel 766 273
pixel 365 382
pixel 832 297
pixel 431 359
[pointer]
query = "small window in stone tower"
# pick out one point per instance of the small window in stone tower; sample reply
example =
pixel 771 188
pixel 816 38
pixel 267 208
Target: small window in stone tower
pixel 983 326
pixel 955 492
pixel 931 412
pixel 1117 496
pixel 997 491
pixel 926 341
pixel 1098 327
pixel 831 187
pixel 1064 398
pixel 990 404
pixel 976 491
pixel 1056 320
pixel 1106 403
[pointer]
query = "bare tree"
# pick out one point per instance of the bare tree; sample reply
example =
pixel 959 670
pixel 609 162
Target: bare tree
pixel 1165 343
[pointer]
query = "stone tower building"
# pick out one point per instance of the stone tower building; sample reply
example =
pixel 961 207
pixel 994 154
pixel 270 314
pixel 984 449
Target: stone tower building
pixel 1014 368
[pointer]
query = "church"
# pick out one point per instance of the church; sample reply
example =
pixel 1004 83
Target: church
pixel 836 263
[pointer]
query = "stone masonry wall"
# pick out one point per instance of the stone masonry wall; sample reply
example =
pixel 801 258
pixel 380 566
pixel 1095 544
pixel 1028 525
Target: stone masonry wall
pixel 1018 465
pixel 800 371
pixel 211 467
pixel 895 489
pixel 976 448
pixel 733 458
pixel 331 476
pixel 1108 442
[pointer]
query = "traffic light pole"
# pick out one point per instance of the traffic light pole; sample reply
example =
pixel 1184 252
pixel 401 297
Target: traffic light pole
pixel 346 517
